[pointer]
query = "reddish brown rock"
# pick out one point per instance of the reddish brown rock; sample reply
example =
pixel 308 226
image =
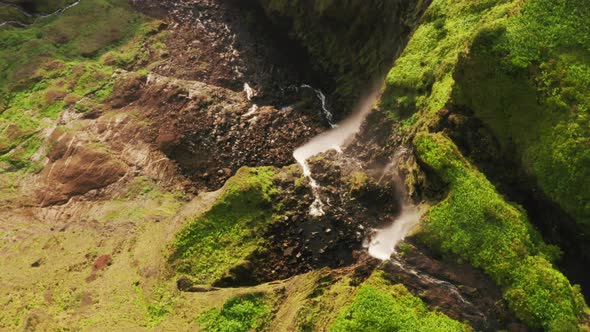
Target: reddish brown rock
pixel 75 168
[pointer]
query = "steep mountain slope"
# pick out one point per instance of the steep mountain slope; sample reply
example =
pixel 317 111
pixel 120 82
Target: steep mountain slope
pixel 148 178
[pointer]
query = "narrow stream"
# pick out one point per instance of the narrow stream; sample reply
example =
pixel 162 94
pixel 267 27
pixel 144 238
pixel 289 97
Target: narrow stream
pixel 35 16
pixel 322 97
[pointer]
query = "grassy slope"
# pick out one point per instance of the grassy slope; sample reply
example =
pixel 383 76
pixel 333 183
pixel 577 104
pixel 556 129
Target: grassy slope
pixel 382 307
pixel 250 312
pixel 484 54
pixel 56 63
pixel 474 215
pixel 223 237
pixel 533 72
pixel 516 64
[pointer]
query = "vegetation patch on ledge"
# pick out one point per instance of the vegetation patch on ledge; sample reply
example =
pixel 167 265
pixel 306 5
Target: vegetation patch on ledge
pixel 476 224
pixel 380 306
pixel 225 235
pixel 250 312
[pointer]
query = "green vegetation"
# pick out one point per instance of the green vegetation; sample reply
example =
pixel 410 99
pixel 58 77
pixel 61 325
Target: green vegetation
pixel 523 68
pixel 533 72
pixel 381 306
pixel 474 215
pixel 517 65
pixel 250 312
pixel 9 13
pixel 422 78
pixel 56 64
pixel 374 305
pixel 224 236
pixel 41 6
pixel 156 307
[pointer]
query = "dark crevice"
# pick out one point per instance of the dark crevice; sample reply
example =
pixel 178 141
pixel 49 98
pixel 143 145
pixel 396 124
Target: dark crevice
pixel 478 144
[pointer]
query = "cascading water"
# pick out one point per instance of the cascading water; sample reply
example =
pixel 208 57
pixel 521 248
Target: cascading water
pixel 333 139
pixel 329 116
pixel 383 242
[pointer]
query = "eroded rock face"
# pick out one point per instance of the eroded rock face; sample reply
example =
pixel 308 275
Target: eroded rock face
pixel 211 132
pixel 459 290
pixel 75 168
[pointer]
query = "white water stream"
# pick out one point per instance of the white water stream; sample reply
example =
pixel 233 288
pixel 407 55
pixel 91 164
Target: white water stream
pixel 383 243
pixel 329 116
pixel 333 139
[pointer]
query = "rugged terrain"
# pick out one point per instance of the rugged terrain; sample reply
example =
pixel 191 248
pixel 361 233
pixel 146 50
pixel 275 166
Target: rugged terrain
pixel 147 176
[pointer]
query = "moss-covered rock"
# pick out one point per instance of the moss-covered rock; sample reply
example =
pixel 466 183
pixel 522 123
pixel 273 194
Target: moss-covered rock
pixel 381 306
pixel 528 80
pixel 475 223
pixel 522 68
pixel 224 236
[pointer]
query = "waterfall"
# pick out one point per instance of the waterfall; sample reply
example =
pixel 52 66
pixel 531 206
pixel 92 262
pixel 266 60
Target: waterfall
pixel 333 139
pixel 383 242
pixel 249 91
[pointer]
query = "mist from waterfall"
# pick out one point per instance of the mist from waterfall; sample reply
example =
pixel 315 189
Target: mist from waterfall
pixel 384 241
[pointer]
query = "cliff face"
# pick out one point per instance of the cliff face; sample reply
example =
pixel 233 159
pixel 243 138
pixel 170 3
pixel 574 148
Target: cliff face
pixel 354 42
pixel 507 82
pixel 147 177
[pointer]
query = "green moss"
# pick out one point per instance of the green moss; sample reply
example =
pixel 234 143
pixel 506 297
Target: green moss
pixel 20 156
pixel 157 306
pixel 533 72
pixel 251 312
pixel 230 231
pixel 54 64
pixel 358 181
pixel 517 65
pixel 476 224
pixel 422 75
pixel 381 306
pixel 329 297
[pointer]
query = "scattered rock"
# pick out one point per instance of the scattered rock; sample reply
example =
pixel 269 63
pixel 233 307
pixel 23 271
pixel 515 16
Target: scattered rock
pixel 37 263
